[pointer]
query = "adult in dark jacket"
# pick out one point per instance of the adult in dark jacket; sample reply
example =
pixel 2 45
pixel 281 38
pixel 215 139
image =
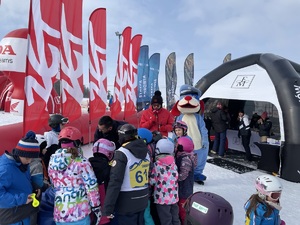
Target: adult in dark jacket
pixel 127 191
pixel 219 121
pixel 108 129
pixel 264 127
pixel 245 133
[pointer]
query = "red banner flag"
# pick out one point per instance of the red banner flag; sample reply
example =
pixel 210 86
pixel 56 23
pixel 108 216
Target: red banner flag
pixel 131 86
pixel 122 73
pixel 71 58
pixel 97 65
pixel 42 61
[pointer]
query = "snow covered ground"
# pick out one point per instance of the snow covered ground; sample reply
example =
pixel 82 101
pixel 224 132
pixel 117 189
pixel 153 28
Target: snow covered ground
pixel 9 118
pixel 235 188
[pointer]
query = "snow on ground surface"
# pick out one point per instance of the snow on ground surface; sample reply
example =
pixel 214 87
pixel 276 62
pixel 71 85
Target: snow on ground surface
pixel 9 118
pixel 237 188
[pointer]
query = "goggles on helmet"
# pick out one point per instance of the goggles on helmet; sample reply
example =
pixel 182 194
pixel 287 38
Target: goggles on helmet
pixel 64 121
pixel 274 195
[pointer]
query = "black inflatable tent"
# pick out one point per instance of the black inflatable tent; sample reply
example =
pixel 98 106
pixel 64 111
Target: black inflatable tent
pixel 285 81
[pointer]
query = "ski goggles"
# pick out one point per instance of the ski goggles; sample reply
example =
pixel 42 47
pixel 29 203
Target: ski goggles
pixel 64 121
pixel 274 195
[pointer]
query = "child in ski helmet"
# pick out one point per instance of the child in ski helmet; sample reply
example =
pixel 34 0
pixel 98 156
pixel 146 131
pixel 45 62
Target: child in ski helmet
pixel 127 191
pixel 74 181
pixel 56 122
pixel 164 178
pixel 103 152
pixel 186 162
pixel 39 174
pixel 147 136
pixel 263 207
pixel 180 128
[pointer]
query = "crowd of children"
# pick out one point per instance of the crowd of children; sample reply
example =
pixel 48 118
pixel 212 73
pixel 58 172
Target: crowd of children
pixel 148 180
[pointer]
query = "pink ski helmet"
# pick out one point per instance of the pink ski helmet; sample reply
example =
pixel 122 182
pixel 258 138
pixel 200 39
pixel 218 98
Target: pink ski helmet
pixel 105 147
pixel 182 125
pixel 187 143
pixel 70 134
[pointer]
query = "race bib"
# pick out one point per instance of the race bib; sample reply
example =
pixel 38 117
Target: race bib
pixel 138 173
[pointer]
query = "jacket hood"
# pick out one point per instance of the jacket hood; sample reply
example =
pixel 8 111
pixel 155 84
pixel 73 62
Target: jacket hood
pixel 7 158
pixel 60 160
pixel 137 147
pixel 165 160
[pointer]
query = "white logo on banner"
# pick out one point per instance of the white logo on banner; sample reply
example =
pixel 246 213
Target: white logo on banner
pixel 297 90
pixel 242 81
pixel 67 66
pixel 131 80
pixel 37 59
pixel 97 88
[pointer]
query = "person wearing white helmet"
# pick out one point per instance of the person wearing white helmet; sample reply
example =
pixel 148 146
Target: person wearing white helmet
pixel 164 179
pixel 38 171
pixel 56 122
pixel 263 207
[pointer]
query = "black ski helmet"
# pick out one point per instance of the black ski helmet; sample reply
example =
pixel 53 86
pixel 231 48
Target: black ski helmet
pixel 127 132
pixel 56 119
pixel 206 208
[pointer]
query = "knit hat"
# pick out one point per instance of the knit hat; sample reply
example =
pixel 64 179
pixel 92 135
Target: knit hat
pixel 264 115
pixel 157 98
pixel 28 146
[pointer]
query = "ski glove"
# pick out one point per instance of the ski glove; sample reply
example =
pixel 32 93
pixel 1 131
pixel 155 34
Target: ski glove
pixel 97 211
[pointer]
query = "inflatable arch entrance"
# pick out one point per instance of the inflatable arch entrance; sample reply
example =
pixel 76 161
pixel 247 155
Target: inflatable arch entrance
pixel 269 78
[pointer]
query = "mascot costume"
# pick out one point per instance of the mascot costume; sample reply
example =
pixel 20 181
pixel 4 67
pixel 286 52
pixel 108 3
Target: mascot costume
pixel 187 109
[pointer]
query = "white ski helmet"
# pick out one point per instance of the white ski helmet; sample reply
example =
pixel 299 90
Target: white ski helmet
pixel 164 146
pixel 268 185
pixel 41 140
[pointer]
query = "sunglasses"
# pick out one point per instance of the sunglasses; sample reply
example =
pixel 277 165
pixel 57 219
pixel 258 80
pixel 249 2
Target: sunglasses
pixel 274 195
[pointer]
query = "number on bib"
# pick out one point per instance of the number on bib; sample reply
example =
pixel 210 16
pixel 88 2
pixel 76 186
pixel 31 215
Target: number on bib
pixel 139 174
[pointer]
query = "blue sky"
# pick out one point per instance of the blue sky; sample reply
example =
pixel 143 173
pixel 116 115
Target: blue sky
pixel 209 28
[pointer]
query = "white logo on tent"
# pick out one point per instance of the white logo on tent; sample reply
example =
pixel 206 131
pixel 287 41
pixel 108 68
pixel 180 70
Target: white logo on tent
pixel 242 81
pixel 297 89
